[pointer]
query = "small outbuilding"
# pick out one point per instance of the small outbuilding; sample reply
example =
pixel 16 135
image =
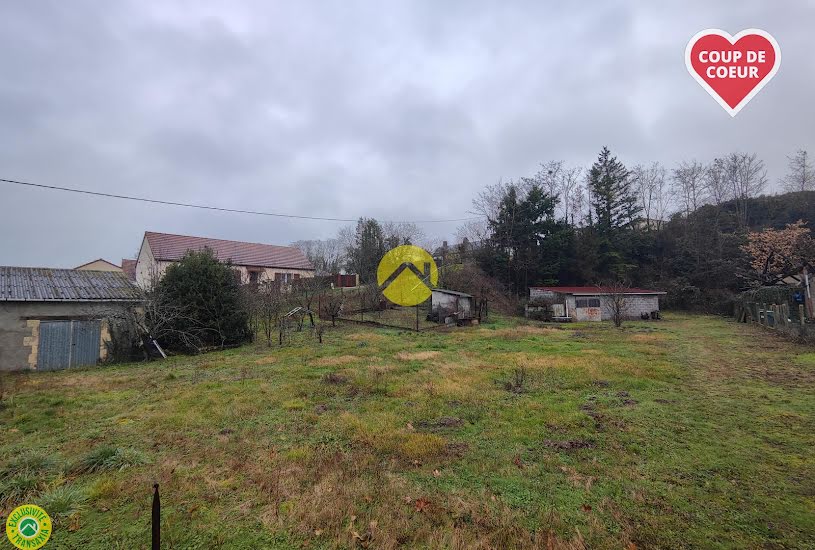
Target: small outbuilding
pixel 449 306
pixel 592 303
pixel 59 318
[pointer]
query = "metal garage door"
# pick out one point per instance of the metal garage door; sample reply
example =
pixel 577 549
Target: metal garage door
pixel 66 344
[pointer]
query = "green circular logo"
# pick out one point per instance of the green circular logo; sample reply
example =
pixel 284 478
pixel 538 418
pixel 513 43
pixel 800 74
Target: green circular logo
pixel 28 527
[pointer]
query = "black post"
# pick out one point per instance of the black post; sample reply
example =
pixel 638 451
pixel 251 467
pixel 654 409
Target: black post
pixel 417 317
pixel 156 518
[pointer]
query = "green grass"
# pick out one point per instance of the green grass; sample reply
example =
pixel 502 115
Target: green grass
pixel 689 432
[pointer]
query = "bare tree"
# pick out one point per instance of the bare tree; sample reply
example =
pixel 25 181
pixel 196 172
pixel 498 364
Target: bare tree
pixel 716 185
pixel 689 185
pixel 332 303
pixel 325 255
pixel 801 175
pixel 571 193
pixel 616 302
pixel 747 177
pixel 269 305
pixel 398 233
pixel 305 293
pixel 653 193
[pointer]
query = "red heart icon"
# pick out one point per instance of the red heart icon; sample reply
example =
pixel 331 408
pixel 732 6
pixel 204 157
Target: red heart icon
pixel 733 69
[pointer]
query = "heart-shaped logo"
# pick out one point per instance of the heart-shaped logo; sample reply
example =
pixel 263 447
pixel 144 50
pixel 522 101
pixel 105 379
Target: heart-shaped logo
pixel 733 69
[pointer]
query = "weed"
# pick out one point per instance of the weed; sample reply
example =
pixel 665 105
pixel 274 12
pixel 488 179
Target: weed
pixel 517 383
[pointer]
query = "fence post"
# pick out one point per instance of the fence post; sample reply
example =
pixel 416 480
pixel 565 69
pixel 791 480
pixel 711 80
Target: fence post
pixel 156 519
pixel 801 317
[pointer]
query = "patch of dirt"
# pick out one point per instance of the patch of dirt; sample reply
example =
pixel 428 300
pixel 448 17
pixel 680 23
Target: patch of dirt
pixel 600 383
pixel 456 448
pixel 268 360
pixel 568 444
pixel 417 356
pixel 320 409
pixel 337 360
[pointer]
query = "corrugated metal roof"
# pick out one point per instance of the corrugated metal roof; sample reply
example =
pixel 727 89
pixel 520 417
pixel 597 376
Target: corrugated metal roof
pixel 173 247
pixel 37 284
pixel 593 290
pixel 453 292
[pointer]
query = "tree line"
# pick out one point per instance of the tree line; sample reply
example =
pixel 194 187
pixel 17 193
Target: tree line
pixel 682 229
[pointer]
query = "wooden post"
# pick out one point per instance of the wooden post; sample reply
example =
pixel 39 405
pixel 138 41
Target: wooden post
pixel 801 316
pixel 417 317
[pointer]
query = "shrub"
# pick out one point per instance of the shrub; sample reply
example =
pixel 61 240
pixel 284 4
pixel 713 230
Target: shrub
pixel 208 293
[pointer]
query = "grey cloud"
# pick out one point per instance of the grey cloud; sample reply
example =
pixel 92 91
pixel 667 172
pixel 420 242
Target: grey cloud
pixel 349 109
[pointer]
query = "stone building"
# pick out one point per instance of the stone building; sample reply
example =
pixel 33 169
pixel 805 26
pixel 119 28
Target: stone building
pixel 59 318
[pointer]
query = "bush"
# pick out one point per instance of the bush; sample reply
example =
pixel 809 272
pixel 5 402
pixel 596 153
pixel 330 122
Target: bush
pixel 209 295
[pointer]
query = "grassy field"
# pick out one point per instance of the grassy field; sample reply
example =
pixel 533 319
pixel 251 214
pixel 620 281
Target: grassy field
pixel 688 432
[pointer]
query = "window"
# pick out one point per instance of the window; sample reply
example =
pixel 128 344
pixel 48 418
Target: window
pixel 283 277
pixel 587 302
pixel 254 277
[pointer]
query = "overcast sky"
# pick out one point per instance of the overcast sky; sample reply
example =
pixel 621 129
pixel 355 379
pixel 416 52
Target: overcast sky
pixel 396 110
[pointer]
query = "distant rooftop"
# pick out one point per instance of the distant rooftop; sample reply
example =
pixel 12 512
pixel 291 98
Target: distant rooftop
pixel 168 247
pixel 38 284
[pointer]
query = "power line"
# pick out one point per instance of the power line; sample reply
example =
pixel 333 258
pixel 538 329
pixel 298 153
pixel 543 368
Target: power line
pixel 208 207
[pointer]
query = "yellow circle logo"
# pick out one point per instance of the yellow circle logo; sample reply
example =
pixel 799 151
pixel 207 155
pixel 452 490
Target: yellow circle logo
pixel 28 527
pixel 406 274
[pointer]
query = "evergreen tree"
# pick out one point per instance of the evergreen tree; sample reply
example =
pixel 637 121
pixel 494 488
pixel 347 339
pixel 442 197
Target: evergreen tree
pixel 367 249
pixel 528 245
pixel 615 210
pixel 207 292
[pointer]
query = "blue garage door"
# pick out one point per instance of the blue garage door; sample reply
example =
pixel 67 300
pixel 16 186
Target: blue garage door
pixel 66 344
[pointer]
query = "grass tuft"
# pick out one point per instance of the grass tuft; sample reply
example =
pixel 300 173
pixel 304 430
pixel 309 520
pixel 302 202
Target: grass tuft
pixel 63 502
pixel 107 457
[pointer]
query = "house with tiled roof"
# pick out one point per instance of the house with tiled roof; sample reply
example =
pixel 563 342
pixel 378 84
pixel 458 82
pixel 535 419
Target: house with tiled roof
pixel 252 262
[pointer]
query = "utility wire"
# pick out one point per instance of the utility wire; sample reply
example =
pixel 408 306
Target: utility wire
pixel 208 207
